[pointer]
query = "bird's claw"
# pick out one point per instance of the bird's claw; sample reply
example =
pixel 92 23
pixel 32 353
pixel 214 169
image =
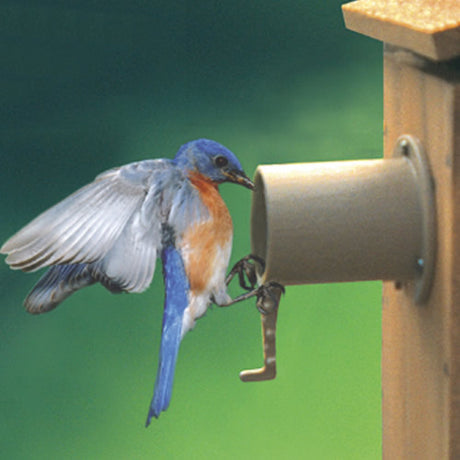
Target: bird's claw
pixel 268 297
pixel 245 268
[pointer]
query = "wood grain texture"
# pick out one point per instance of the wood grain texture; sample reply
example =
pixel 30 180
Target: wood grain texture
pixel 421 344
pixel 428 27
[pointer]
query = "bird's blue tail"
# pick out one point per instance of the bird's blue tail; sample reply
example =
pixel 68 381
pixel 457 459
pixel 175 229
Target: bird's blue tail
pixel 176 301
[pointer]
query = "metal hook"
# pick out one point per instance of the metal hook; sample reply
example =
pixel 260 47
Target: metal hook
pixel 267 303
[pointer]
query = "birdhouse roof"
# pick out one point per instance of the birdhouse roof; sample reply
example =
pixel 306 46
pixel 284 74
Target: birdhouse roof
pixel 427 27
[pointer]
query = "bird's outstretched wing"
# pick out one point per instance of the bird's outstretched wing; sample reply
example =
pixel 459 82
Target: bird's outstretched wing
pixel 112 225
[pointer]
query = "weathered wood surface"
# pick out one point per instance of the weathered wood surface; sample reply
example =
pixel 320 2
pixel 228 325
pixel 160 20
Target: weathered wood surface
pixel 428 27
pixel 421 343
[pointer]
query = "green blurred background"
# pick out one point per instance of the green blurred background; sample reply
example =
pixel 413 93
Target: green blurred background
pixel 103 83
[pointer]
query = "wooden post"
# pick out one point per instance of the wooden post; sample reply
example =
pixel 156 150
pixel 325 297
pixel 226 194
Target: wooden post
pixel 421 343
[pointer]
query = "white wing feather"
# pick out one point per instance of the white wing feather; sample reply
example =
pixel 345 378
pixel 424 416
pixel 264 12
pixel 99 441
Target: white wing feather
pixel 114 224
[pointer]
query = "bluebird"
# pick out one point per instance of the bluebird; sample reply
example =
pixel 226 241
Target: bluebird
pixel 112 230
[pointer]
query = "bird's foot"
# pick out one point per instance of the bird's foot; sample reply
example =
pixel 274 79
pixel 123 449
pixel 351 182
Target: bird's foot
pixel 246 270
pixel 268 297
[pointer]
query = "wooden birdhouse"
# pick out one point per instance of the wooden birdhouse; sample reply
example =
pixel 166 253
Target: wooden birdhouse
pixel 396 219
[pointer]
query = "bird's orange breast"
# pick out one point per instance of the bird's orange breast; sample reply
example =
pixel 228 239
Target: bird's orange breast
pixel 205 241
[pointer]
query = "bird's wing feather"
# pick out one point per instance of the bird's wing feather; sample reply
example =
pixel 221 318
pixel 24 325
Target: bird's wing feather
pixel 171 201
pixel 113 223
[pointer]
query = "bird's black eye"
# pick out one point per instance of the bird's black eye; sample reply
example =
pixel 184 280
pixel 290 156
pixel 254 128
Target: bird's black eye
pixel 220 161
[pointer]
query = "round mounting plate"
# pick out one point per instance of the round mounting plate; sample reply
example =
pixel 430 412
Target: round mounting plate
pixel 410 147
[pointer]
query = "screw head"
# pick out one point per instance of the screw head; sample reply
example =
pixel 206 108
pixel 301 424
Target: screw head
pixel 405 147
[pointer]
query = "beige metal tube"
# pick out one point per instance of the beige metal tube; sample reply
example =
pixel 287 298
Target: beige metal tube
pixel 338 221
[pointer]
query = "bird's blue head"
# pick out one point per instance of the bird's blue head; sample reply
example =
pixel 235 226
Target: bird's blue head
pixel 212 160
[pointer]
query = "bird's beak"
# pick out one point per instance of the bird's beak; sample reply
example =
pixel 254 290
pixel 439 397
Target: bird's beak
pixel 239 177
